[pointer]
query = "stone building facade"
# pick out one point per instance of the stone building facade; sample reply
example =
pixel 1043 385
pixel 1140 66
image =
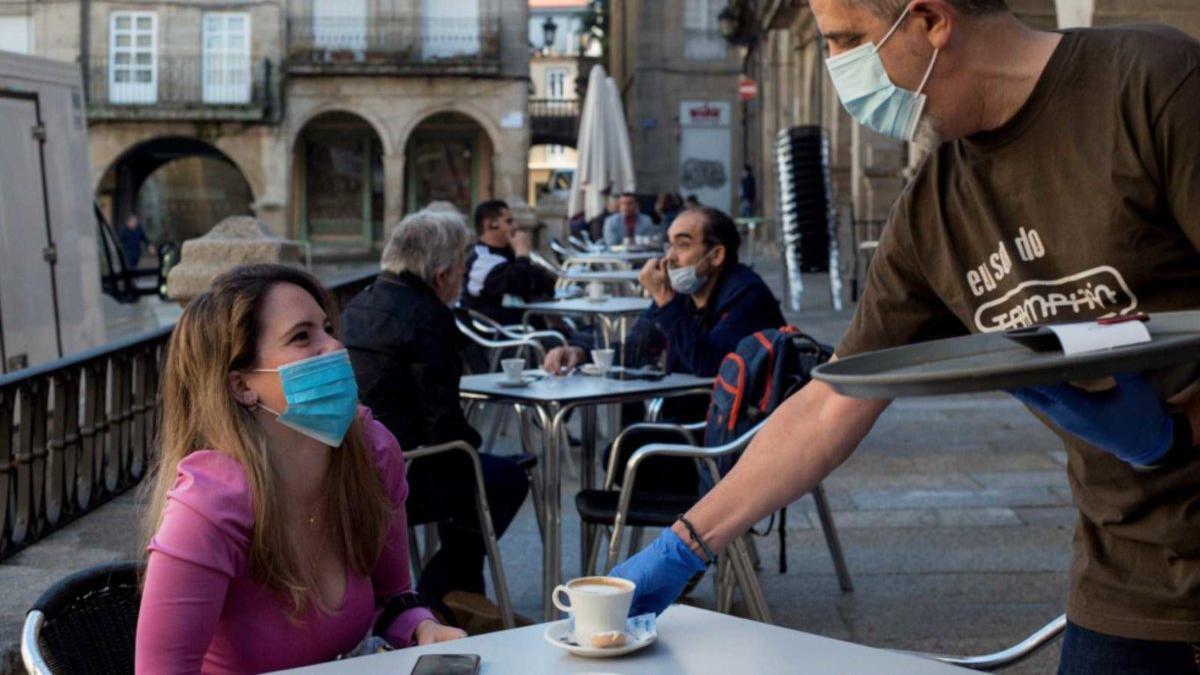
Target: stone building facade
pixel 678 79
pixel 332 117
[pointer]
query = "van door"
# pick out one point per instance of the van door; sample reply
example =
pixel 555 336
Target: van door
pixel 29 331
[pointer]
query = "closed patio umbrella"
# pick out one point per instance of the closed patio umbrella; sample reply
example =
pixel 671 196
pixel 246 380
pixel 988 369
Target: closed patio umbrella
pixel 604 159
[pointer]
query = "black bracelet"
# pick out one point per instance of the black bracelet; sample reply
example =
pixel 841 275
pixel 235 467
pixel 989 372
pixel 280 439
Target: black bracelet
pixel 712 557
pixel 394 607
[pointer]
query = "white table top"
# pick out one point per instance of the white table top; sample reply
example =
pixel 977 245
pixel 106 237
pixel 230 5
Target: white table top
pixel 628 256
pixel 579 387
pixel 690 641
pixel 610 305
pixel 602 276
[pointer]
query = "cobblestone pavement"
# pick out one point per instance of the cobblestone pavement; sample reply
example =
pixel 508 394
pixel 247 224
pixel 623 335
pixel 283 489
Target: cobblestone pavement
pixel 954 514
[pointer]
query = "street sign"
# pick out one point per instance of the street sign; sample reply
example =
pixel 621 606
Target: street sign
pixel 747 88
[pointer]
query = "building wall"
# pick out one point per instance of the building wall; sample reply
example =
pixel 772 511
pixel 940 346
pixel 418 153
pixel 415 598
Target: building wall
pixel 648 64
pixel 263 149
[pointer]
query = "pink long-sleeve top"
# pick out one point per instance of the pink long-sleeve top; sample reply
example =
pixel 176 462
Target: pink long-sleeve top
pixel 201 611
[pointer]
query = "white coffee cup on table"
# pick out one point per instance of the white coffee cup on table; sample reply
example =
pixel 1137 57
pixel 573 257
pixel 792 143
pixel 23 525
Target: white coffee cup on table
pixel 514 369
pixel 595 290
pixel 603 358
pixel 597 604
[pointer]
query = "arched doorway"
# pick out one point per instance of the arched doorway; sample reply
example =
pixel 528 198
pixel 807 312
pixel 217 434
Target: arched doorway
pixel 339 180
pixel 449 158
pixel 179 187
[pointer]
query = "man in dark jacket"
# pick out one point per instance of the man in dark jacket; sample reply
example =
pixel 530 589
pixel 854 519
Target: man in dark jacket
pixel 705 303
pixel 405 350
pixel 500 275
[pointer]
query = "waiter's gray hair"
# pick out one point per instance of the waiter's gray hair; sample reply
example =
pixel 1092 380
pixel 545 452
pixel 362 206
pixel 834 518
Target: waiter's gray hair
pixel 425 243
pixel 890 9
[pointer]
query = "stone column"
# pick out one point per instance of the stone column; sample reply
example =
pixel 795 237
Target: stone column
pixel 393 190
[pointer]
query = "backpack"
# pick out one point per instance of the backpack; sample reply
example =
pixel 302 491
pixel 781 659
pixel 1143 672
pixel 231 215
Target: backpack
pixel 765 369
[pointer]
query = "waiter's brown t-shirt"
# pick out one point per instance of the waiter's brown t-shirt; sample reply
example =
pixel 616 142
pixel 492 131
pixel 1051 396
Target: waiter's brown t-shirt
pixel 1085 204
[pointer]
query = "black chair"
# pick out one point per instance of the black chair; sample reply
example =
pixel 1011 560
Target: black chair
pixel 85 623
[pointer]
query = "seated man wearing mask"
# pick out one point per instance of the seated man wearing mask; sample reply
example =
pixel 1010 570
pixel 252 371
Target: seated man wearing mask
pixel 705 303
pixel 406 354
pixel 500 275
pixel 627 223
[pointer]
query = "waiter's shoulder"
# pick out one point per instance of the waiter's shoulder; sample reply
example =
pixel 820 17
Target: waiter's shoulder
pixel 1162 54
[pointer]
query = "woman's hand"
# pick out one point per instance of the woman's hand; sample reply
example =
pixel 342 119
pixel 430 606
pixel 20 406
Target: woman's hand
pixel 430 632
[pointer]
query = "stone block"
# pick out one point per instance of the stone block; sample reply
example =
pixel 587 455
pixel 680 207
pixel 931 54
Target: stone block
pixel 237 240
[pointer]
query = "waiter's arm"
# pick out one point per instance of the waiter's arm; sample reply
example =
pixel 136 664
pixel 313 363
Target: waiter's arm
pixel 804 440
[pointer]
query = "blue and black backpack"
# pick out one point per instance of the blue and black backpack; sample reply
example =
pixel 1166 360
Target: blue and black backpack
pixel 753 380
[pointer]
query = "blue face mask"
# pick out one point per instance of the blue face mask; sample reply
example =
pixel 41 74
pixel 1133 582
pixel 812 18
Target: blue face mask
pixel 870 96
pixel 321 395
pixel 685 279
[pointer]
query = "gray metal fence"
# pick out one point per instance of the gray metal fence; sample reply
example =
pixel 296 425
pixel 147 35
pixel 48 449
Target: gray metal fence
pixel 76 432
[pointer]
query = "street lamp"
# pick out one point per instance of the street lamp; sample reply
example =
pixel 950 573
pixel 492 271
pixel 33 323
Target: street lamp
pixel 549 32
pixel 727 23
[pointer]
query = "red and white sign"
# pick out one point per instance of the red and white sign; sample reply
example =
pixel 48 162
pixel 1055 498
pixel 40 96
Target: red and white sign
pixel 747 88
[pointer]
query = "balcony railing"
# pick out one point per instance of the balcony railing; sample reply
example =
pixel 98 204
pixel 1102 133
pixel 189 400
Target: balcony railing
pixel 76 432
pixel 553 121
pixel 374 45
pixel 165 86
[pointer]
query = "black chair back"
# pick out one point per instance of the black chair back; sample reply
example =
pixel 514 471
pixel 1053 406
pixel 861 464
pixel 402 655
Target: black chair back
pixel 91 620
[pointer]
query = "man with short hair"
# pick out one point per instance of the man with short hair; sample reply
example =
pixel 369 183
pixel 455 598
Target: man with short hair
pixel 628 223
pixel 500 275
pixel 705 303
pixel 1066 191
pixel 406 354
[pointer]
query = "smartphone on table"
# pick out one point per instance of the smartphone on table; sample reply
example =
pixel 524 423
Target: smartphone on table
pixel 447 664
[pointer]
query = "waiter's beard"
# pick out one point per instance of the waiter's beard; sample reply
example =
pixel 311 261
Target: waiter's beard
pixel 927 137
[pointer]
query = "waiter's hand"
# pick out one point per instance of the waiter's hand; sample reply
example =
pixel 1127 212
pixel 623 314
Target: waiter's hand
pixel 656 281
pixel 661 571
pixel 1128 420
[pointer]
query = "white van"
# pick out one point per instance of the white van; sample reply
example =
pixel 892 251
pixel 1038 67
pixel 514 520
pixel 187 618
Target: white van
pixel 52 281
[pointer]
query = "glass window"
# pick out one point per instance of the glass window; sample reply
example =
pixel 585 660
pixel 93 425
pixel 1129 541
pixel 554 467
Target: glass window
pixel 701 41
pixel 133 61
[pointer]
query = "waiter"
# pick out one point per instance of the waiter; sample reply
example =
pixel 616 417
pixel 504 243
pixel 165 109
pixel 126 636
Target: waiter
pixel 1063 185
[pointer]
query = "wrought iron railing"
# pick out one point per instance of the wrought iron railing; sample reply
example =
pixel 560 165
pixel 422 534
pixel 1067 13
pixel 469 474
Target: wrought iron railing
pixel 324 44
pixel 554 121
pixel 165 85
pixel 76 432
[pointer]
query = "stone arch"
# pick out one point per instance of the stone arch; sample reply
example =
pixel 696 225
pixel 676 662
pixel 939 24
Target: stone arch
pixel 381 129
pixel 120 185
pixel 483 120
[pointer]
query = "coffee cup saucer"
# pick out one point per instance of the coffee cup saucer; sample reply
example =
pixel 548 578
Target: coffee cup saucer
pixel 640 631
pixel 595 299
pixel 525 381
pixel 591 369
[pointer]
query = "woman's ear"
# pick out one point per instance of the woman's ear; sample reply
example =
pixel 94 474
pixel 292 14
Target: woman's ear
pixel 242 393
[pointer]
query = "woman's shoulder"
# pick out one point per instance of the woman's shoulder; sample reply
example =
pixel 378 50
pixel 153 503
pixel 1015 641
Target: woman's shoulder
pixel 209 515
pixel 385 453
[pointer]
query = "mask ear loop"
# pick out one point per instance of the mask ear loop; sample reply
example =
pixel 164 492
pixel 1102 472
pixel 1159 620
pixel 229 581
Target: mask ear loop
pixel 891 30
pixel 929 70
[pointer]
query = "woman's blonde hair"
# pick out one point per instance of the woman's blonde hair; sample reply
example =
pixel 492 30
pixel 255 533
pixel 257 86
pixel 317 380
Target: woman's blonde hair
pixel 218 334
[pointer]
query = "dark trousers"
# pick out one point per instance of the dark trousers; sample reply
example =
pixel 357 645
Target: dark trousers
pixel 441 489
pixel 1086 652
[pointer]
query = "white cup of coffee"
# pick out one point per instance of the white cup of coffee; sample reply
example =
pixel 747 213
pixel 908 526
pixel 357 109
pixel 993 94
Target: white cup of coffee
pixel 514 369
pixel 603 358
pixel 595 291
pixel 597 604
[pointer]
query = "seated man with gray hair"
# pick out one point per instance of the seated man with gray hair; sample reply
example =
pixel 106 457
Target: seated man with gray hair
pixel 406 353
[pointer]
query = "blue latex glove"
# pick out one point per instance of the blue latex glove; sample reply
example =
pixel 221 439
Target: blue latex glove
pixel 661 571
pixel 1128 421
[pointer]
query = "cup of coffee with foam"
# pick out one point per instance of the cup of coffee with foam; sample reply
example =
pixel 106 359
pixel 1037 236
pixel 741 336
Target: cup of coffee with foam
pixel 599 606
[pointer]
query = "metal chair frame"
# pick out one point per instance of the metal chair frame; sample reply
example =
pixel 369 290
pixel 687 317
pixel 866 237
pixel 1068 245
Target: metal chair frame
pixel 1005 657
pixel 491 543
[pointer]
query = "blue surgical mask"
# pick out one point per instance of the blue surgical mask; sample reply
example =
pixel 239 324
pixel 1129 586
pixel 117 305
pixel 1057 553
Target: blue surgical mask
pixel 321 395
pixel 685 279
pixel 870 96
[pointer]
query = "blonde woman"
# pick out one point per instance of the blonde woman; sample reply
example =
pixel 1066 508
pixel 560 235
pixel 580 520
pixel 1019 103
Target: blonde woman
pixel 279 536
